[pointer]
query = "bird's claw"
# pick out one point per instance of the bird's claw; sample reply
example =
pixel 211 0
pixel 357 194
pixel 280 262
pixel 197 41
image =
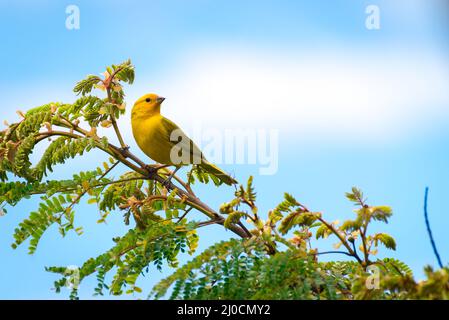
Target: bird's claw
pixel 125 148
pixel 151 169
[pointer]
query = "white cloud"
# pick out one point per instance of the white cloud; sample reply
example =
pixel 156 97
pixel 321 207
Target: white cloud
pixel 334 96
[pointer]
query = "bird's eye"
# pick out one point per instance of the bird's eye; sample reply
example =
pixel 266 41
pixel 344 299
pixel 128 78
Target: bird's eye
pixel 148 100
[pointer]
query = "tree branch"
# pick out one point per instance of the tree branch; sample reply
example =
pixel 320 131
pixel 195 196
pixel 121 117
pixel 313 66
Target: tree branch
pixel 343 240
pixel 122 155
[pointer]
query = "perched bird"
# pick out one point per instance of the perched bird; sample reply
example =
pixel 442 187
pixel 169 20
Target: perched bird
pixel 164 142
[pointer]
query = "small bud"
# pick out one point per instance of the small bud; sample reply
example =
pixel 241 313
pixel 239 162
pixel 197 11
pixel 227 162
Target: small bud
pixel 106 74
pixel 92 132
pixel 53 108
pixel 21 114
pixel 122 106
pixel 102 87
pixel 296 241
pixel 47 125
pixel 117 87
pixel 106 123
pixel 337 245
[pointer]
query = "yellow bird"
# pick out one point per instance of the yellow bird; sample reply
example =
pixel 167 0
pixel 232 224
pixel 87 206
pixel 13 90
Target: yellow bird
pixel 164 142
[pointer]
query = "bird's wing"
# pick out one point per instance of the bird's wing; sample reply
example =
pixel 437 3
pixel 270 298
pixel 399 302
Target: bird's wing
pixel 177 137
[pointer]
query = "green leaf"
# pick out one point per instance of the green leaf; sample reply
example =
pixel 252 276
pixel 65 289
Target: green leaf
pixel 351 225
pixel 381 213
pixel 298 218
pixel 250 193
pixel 233 218
pixel 387 240
pixel 322 232
pixel 126 73
pixel 355 196
pixel 85 86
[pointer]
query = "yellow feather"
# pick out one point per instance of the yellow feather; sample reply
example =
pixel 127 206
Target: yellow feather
pixel 153 135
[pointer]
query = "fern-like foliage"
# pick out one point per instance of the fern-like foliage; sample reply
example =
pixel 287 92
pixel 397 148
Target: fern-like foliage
pixel 242 270
pixel 275 257
pixel 132 254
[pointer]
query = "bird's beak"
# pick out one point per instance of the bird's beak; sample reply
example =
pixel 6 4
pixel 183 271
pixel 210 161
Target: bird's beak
pixel 160 99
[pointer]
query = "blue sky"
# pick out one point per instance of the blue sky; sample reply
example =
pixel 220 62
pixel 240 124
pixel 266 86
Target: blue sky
pixel 352 106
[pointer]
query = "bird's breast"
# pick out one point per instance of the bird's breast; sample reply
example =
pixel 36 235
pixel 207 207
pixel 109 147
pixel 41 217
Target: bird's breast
pixel 151 137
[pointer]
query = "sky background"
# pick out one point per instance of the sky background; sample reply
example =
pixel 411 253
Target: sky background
pixel 353 107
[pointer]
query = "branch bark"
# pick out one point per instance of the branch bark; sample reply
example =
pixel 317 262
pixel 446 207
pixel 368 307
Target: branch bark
pixel 137 165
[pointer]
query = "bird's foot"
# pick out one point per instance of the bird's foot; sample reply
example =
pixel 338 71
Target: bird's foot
pixel 153 168
pixel 124 150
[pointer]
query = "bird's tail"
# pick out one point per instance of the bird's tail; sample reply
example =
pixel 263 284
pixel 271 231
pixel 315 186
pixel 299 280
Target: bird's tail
pixel 217 172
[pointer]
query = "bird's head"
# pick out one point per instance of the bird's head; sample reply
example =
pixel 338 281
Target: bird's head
pixel 148 105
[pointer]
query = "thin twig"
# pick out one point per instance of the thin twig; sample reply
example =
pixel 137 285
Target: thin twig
pixel 363 237
pixel 355 250
pixel 429 231
pixel 113 120
pixel 109 170
pixel 206 223
pixel 184 215
pixel 117 133
pixel 79 196
pixel 342 239
pixel 245 229
pixel 330 252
